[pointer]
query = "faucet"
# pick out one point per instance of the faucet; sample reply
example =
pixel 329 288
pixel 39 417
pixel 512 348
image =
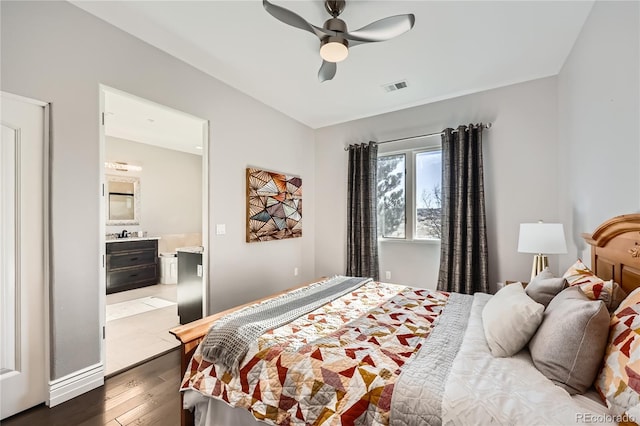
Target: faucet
pixel 123 234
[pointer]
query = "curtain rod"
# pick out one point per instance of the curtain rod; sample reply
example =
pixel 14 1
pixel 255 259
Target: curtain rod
pixel 486 126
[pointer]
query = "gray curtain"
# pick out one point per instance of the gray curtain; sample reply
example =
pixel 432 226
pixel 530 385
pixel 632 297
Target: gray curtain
pixel 463 249
pixel 362 226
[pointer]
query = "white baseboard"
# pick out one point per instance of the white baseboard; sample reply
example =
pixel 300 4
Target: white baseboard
pixel 74 384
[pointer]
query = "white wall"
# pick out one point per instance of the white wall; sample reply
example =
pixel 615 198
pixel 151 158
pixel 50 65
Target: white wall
pixel 521 173
pixel 57 53
pixel 170 187
pixel 598 123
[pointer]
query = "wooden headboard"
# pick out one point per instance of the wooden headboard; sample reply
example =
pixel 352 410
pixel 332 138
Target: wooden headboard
pixel 615 250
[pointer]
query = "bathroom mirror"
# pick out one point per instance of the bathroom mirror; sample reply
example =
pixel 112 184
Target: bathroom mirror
pixel 123 200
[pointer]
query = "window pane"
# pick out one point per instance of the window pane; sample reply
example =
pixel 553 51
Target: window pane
pixel 391 196
pixel 428 195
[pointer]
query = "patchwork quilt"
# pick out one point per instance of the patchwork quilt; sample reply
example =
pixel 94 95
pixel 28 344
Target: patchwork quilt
pixel 388 355
pixel 337 365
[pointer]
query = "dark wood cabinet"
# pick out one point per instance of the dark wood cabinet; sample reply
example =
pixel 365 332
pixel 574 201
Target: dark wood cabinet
pixel 131 264
pixel 189 286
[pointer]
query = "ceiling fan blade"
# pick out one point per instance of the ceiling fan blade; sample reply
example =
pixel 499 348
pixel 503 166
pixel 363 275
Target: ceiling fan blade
pixel 327 71
pixel 381 30
pixel 291 18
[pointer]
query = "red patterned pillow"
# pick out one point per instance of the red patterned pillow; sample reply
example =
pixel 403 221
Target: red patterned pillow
pixel 619 380
pixel 579 274
pixel 593 287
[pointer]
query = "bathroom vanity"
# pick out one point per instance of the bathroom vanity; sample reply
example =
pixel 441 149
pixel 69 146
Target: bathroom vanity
pixel 131 263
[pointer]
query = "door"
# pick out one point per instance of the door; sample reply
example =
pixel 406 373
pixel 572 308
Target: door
pixel 23 253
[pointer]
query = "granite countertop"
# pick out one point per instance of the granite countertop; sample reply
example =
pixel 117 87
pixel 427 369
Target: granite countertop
pixel 119 240
pixel 193 249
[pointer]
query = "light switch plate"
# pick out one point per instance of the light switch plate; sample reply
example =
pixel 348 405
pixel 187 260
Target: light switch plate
pixel 221 229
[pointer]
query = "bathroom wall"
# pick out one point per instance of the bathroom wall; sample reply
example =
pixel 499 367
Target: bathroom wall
pixel 170 187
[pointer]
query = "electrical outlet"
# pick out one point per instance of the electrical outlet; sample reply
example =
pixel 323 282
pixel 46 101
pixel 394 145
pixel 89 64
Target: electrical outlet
pixel 295 272
pixel 387 275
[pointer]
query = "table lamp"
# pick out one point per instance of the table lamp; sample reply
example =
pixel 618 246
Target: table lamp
pixel 542 239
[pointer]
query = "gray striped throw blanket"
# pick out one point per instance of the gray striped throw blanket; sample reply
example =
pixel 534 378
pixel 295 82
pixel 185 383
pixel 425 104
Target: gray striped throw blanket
pixel 228 340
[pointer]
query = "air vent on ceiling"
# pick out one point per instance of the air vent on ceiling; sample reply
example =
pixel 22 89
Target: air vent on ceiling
pixel 395 86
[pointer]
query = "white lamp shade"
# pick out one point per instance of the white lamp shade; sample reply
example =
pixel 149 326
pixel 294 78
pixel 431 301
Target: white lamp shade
pixel 334 52
pixel 542 238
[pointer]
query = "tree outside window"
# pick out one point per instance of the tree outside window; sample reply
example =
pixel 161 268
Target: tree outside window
pixel 429 188
pixel 391 196
pixel 425 195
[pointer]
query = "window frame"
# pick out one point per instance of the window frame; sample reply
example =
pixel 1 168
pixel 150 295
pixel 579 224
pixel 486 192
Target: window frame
pixel 411 198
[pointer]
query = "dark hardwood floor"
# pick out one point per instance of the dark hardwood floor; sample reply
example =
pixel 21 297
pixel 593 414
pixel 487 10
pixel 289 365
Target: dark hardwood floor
pixel 145 395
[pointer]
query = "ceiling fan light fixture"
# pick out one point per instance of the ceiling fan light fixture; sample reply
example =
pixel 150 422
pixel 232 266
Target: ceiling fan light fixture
pixel 334 36
pixel 334 49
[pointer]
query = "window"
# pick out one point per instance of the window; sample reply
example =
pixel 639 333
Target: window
pixel 428 195
pixel 409 194
pixel 391 196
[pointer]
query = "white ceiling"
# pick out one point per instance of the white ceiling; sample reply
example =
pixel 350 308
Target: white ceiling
pixel 139 120
pixel 455 48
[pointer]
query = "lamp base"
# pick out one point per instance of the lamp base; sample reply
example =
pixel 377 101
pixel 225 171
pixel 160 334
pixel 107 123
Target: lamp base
pixel 540 262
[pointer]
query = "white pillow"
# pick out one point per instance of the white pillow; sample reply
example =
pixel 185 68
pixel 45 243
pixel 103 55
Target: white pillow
pixel 510 319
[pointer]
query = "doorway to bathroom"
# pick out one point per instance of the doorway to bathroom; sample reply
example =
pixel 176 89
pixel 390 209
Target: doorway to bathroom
pixel 154 206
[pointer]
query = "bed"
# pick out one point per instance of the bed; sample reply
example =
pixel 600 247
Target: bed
pixel 388 354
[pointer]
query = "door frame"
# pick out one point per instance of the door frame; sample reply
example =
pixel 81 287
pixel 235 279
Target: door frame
pixel 46 227
pixel 206 197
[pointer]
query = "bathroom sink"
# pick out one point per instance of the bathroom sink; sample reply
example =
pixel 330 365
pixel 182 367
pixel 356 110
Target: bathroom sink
pixel 129 238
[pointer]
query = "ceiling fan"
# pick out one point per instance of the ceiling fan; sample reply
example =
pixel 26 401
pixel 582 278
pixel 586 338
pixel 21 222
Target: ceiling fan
pixel 335 40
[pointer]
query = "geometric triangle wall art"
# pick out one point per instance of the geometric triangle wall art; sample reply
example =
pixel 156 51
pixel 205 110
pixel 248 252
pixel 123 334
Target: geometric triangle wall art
pixel 274 206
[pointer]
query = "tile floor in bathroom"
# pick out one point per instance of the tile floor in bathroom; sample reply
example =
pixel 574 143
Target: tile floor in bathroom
pixel 137 337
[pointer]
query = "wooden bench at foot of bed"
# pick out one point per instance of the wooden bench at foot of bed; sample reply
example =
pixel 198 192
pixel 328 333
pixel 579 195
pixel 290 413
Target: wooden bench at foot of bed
pixel 190 336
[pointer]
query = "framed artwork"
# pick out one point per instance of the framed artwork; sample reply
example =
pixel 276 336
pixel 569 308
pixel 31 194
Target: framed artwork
pixel 274 206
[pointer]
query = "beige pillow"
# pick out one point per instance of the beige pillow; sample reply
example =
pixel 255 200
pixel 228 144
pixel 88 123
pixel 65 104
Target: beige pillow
pixel 569 345
pixel 545 287
pixel 509 319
